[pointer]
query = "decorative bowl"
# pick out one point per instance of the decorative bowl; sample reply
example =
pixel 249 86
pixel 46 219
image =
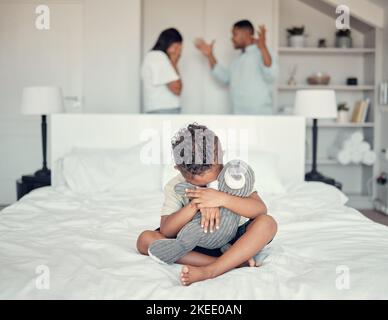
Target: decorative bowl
pixel 319 79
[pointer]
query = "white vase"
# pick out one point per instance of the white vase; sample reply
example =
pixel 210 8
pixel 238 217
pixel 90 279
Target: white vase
pixel 296 41
pixel 343 116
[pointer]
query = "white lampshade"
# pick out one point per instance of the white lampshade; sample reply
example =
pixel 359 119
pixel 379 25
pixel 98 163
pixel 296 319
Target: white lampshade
pixel 316 104
pixel 42 100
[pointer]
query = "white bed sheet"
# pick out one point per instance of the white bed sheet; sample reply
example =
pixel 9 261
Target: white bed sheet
pixel 89 245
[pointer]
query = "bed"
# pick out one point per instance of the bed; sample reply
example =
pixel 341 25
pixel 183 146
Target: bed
pixel 56 243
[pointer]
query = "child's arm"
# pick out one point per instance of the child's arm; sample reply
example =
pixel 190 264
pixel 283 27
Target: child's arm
pixel 171 224
pixel 249 207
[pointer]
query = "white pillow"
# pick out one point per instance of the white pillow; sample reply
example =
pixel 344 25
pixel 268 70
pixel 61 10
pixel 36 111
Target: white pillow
pixel 267 178
pixel 324 192
pixel 89 171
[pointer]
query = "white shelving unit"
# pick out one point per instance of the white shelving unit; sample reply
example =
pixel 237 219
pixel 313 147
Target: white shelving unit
pixel 359 61
pixel 330 87
pixel 330 162
pixel 344 125
pixel 324 51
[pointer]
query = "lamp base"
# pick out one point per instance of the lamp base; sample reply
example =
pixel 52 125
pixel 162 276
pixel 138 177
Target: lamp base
pixel 318 177
pixel 43 173
pixel 42 177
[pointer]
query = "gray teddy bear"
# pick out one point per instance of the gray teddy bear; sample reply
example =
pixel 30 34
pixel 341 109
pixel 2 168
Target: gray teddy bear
pixel 236 178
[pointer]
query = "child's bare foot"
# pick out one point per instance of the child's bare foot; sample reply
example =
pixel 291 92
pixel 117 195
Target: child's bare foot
pixel 250 263
pixel 192 274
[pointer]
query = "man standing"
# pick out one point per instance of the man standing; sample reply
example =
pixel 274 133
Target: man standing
pixel 251 75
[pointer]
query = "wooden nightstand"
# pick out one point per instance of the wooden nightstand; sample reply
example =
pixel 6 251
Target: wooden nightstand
pixel 28 183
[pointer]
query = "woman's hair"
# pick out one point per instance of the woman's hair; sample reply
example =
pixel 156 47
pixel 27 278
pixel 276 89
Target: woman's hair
pixel 167 38
pixel 196 149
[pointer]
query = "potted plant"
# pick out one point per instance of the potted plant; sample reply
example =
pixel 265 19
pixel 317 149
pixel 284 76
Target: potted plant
pixel 343 38
pixel 296 37
pixel 343 113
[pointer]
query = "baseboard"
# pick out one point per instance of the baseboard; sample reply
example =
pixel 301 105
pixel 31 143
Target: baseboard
pixel 381 207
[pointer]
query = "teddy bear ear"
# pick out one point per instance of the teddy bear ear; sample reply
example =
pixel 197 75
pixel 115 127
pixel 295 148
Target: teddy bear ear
pixel 234 180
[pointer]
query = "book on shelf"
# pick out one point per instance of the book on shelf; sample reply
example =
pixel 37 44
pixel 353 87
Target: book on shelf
pixel 360 111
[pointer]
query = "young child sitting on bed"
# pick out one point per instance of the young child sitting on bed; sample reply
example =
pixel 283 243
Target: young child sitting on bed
pixel 256 228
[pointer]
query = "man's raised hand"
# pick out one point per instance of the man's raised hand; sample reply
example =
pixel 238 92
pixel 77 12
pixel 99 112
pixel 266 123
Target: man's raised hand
pixel 261 33
pixel 205 48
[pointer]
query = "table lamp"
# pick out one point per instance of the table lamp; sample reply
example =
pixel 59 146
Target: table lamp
pixel 42 101
pixel 316 104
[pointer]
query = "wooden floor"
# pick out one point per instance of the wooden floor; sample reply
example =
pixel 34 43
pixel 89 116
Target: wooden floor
pixel 376 216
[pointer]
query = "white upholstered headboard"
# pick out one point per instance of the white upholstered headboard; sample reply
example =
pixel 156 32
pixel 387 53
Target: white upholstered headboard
pixel 282 135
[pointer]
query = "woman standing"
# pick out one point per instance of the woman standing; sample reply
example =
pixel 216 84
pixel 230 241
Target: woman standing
pixel 162 85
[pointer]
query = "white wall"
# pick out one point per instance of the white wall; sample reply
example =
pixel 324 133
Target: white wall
pixel 384 5
pixel 92 51
pixel 384 120
pixel 210 19
pixel 112 37
pixel 383 135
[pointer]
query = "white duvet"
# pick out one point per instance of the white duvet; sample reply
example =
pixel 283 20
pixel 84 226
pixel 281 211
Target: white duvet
pixel 323 250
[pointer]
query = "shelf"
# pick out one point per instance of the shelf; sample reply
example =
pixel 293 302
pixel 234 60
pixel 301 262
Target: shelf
pixel 329 87
pixel 344 125
pixel 312 50
pixel 322 162
pixel 332 162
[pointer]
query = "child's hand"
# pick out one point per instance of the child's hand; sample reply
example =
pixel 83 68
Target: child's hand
pixel 210 217
pixel 206 198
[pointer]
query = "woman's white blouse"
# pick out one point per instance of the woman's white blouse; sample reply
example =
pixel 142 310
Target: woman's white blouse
pixel 157 71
